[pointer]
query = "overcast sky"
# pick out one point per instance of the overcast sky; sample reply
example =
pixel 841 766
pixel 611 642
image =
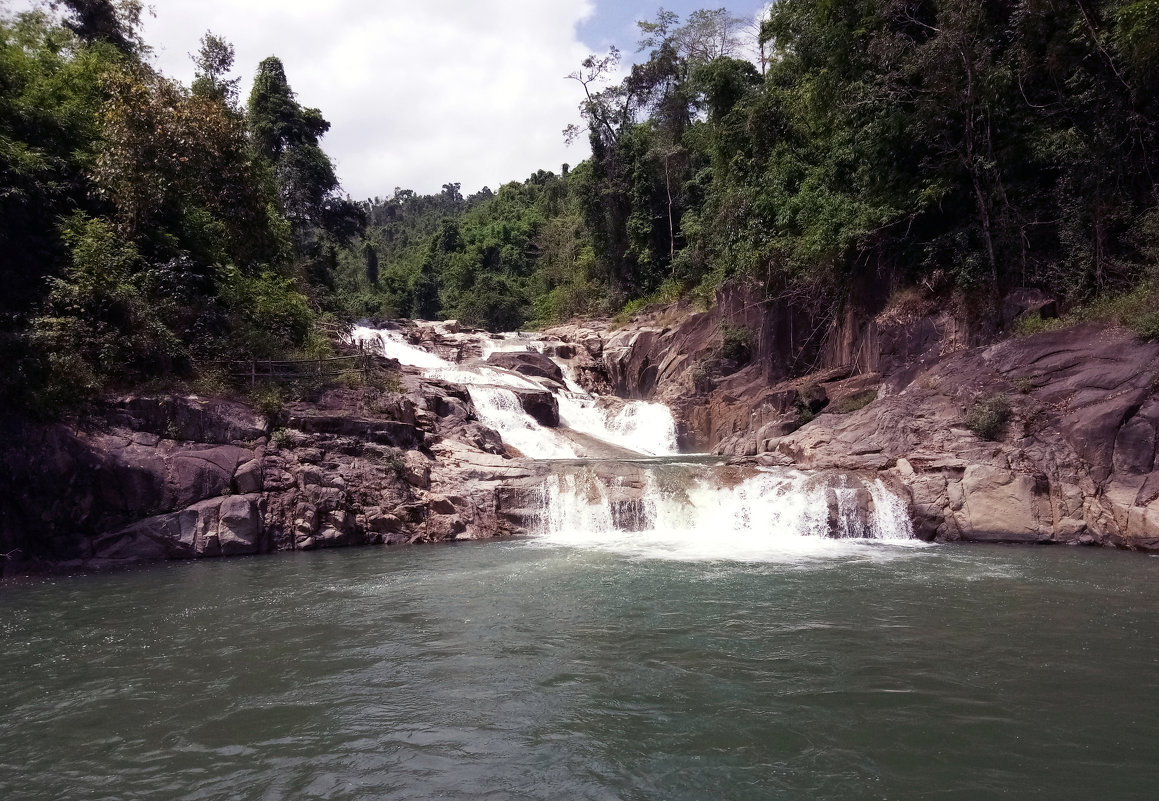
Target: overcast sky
pixel 421 92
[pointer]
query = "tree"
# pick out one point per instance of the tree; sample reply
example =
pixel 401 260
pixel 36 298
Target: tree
pixel 116 22
pixel 371 257
pixel 212 63
pixel 287 136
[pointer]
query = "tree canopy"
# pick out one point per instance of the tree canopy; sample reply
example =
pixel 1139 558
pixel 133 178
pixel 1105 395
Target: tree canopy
pixel 964 147
pixel 149 227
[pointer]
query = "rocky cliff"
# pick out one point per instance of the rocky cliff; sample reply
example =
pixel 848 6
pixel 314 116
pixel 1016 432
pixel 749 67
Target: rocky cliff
pixel 1069 456
pixel 1071 453
pixel 184 477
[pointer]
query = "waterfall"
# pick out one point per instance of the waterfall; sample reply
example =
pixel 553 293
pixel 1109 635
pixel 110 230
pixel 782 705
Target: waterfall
pixel 687 512
pixel 663 507
pixel 501 410
pixel 638 426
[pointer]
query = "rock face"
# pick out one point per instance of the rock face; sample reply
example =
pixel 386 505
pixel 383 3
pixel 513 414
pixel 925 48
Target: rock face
pixel 527 363
pixel 189 478
pixel 1075 463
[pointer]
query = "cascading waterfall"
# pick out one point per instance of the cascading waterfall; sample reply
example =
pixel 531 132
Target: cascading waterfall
pixel 500 409
pixel 688 512
pixel 644 428
pixel 664 508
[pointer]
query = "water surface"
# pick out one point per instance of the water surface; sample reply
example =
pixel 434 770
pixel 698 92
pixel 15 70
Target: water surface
pixel 536 671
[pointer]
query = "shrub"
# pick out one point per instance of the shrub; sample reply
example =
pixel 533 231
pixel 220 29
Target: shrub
pixel 281 438
pixel 853 402
pixel 271 405
pixel 1029 324
pixel 701 375
pixel 98 324
pixel 736 344
pixel 988 416
pixel 388 380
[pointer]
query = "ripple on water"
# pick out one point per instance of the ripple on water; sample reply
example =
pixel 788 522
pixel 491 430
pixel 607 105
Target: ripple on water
pixel 526 670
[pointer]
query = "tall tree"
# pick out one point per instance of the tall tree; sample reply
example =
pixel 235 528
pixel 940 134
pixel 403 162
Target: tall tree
pixel 287 135
pixel 114 21
pixel 212 64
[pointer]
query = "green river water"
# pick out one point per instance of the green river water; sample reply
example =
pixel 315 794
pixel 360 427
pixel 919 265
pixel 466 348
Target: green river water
pixel 524 670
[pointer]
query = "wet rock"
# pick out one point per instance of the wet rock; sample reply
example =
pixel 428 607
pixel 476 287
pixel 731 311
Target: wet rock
pixel 527 363
pixel 540 404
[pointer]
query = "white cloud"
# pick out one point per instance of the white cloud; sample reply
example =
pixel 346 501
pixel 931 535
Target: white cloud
pixel 418 93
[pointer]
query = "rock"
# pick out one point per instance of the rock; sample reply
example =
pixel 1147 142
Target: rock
pixel 440 505
pixel 1000 505
pixel 540 404
pixel 1134 449
pixel 239 525
pixel 249 477
pixel 385 432
pixel 527 363
pixel 189 418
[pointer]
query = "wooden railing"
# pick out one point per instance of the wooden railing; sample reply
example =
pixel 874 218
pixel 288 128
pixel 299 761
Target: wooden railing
pixel 255 370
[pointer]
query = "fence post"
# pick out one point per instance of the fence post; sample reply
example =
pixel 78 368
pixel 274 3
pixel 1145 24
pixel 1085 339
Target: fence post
pixel 253 372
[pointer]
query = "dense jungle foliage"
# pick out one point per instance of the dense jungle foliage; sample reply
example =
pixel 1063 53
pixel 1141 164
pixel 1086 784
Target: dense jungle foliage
pixel 147 227
pixel 950 143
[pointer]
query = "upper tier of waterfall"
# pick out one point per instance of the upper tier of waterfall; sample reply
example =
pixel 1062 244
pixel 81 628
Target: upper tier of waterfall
pixel 639 427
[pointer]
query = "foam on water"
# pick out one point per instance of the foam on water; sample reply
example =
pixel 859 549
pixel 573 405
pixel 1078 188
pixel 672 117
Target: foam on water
pixel 770 516
pixel 638 426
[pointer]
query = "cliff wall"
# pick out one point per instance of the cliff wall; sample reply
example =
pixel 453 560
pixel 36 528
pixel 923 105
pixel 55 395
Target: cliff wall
pixel 1074 460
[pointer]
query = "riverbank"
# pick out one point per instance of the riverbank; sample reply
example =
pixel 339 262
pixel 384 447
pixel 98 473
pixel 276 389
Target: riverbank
pixel 411 458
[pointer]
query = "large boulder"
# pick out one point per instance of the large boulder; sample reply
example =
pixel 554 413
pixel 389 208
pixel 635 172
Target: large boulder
pixel 540 404
pixel 527 363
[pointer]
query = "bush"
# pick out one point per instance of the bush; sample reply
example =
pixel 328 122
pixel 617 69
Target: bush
pixel 736 344
pixel 98 324
pixel 988 416
pixel 854 402
pixel 271 405
pixel 269 316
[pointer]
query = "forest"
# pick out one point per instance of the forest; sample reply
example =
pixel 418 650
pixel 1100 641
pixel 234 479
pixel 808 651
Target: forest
pixel 959 148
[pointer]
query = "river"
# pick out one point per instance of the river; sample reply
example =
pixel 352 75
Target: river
pixel 676 629
pixel 534 670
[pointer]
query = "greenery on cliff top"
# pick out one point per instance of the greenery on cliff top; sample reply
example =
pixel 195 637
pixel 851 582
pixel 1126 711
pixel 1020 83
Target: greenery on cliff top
pixel 147 227
pixel 951 144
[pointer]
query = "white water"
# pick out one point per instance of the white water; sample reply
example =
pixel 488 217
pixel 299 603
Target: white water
pixel 499 408
pixel 764 516
pixel 391 345
pixel 769 516
pixel 645 428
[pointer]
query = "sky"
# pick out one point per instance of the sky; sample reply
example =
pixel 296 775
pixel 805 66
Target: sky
pixel 420 93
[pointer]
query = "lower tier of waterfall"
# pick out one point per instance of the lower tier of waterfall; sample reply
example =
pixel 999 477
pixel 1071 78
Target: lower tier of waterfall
pixel 691 510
